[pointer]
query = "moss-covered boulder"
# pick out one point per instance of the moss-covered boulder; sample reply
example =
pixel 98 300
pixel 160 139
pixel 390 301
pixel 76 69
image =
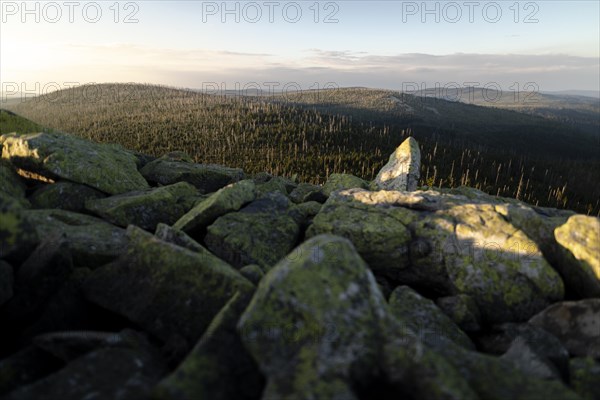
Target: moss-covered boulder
pixel 169 291
pixel 91 241
pixel 343 182
pixel 579 239
pixel 225 200
pixel 571 243
pixel 146 208
pixel 181 239
pixel 379 233
pixel 315 320
pixel 207 178
pixel 274 184
pixel 64 195
pixel 307 192
pixel 585 377
pixel 218 367
pixel 475 251
pixel 108 168
pixel 575 323
pixel 424 318
pixel 260 233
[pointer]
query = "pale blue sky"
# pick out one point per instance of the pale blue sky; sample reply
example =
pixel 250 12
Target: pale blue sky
pixel 373 43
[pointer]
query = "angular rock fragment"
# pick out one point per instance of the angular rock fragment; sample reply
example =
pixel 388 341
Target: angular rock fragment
pixel 146 208
pixel 402 171
pixel 225 200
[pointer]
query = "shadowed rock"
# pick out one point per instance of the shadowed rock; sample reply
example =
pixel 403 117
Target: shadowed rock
pixel 575 323
pixel 402 171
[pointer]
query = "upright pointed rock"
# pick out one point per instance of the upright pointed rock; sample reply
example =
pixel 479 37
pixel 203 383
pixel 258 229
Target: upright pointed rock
pixel 402 170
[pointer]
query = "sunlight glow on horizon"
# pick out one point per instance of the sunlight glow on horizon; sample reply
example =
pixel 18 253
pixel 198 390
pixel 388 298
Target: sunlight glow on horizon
pixel 369 45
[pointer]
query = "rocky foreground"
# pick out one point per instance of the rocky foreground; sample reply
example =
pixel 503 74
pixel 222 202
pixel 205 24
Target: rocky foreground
pixel 128 277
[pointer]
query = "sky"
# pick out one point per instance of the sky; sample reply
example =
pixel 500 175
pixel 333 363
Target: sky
pixel 282 45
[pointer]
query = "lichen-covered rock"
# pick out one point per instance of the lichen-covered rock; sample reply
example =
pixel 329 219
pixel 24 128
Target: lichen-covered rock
pixel 64 195
pixel 92 241
pixel 461 309
pixel 307 192
pixel 274 184
pixel 6 282
pixel 575 323
pixel 108 168
pixel 424 318
pixel 225 200
pixel 343 182
pixel 585 377
pixel 402 171
pixel 207 178
pixel 146 208
pixel 112 373
pixel 474 250
pixel 260 233
pixel 314 321
pixel 167 290
pixel 580 261
pixel 218 367
pixel 379 233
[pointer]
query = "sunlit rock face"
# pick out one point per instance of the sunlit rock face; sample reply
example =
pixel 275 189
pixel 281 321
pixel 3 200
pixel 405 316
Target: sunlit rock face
pixel 402 170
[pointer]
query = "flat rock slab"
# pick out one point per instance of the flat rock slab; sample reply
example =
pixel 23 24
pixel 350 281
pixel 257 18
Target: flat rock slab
pixel 108 168
pixel 92 241
pixel 207 178
pixel 146 208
